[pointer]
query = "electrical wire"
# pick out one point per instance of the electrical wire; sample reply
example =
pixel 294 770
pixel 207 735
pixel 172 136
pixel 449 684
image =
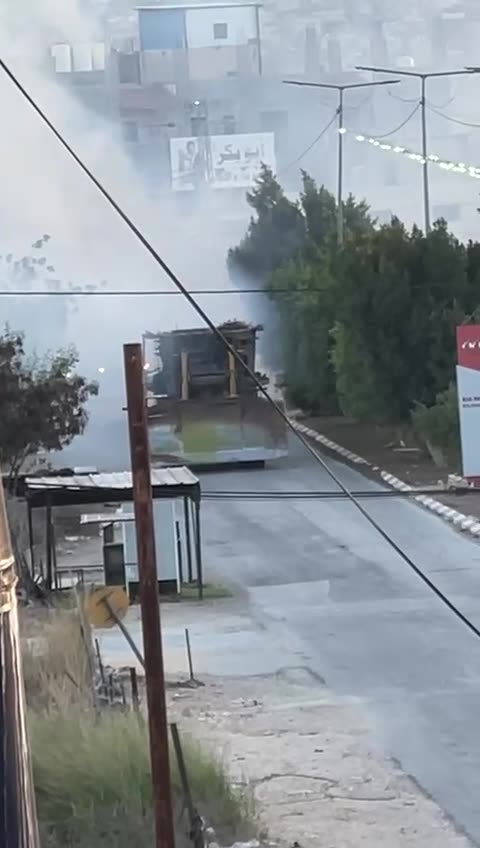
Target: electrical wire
pixel 150 292
pixel 236 356
pixel 402 99
pixel 452 119
pixel 400 126
pixel 310 146
pixel 381 494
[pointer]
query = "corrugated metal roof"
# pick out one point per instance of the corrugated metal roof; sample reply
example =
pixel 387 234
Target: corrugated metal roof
pixel 161 477
pixel 189 5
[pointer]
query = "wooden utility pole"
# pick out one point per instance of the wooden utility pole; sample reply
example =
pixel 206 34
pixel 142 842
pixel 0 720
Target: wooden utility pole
pixel 148 587
pixel 18 814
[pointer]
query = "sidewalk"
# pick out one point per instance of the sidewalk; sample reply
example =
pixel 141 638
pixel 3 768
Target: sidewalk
pixel 307 754
pixel 380 448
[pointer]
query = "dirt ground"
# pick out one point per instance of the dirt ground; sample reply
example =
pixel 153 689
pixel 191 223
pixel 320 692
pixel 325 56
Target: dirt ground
pixel 306 755
pixel 380 446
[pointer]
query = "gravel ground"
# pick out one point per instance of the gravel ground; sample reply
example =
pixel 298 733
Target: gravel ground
pixel 306 755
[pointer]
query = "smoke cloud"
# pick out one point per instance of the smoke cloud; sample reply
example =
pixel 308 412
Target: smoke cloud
pixel 44 191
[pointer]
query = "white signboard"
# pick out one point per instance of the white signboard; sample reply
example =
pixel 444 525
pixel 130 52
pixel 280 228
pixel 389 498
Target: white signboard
pixel 221 161
pixel 468 387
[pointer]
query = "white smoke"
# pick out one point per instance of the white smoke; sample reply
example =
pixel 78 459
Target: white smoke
pixel 44 191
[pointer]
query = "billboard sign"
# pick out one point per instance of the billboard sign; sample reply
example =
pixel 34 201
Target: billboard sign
pixel 220 161
pixel 468 387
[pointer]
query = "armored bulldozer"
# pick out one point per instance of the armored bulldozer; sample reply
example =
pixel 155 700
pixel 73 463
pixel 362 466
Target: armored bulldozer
pixel 204 409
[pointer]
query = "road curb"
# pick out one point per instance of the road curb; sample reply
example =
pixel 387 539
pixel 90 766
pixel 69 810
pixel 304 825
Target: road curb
pixel 466 523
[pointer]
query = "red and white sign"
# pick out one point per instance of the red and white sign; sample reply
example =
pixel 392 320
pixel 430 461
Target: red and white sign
pixel 468 387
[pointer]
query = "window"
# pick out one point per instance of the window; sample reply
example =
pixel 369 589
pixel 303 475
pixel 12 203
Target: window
pixel 220 31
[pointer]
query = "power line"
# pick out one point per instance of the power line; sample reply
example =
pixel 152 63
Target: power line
pixel 151 292
pixel 453 120
pixel 400 126
pixel 310 146
pixel 367 494
pixel 402 99
pixel 236 356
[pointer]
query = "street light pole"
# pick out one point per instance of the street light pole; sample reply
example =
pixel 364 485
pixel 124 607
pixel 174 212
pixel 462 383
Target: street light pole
pixel 341 133
pixel 341 89
pixel 423 77
pixel 426 181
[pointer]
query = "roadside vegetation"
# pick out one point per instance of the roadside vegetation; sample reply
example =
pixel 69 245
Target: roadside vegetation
pixel 91 767
pixel 369 331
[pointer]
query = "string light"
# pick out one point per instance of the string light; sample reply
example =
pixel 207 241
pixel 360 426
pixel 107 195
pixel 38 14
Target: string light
pixel 445 164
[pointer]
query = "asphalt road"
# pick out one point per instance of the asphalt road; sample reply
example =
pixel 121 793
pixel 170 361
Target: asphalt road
pixel 368 625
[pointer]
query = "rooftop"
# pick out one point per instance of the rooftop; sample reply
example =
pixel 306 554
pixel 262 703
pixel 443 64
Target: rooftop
pixel 196 6
pixel 108 488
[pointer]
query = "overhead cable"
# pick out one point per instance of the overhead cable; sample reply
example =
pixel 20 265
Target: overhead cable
pixel 312 145
pixel 236 356
pixel 451 119
pixel 400 126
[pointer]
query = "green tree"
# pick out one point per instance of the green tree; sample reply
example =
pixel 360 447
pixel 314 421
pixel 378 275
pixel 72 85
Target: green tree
pixel 275 235
pixel 42 401
pixel 400 296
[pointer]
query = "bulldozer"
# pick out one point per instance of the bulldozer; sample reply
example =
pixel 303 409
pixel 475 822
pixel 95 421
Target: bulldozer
pixel 203 407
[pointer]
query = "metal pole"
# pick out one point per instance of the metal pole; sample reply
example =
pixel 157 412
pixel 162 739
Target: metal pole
pixel 134 689
pixel 188 539
pixel 148 586
pixel 189 654
pixel 179 553
pixel 30 539
pixel 48 544
pixel 18 814
pixel 259 43
pixel 198 545
pixel 426 186
pixel 340 168
pixel 196 824
pixel 124 630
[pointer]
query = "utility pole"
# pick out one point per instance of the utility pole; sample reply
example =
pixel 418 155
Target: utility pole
pixel 341 89
pixel 423 77
pixel 149 601
pixel 18 813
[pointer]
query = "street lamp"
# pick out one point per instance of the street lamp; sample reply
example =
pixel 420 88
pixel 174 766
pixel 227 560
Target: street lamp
pixel 341 89
pixel 423 77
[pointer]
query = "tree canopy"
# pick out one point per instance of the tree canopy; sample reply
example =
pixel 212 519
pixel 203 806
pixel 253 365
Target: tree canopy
pixel 42 401
pixel 369 329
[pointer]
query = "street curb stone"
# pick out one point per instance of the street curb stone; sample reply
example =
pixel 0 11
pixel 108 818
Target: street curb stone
pixel 467 523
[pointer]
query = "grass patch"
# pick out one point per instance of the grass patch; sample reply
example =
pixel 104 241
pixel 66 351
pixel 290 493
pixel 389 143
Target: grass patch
pixel 92 771
pixel 211 591
pixel 92 776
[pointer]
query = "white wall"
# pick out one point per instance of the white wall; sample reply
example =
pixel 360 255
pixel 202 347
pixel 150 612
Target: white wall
pixel 241 26
pixel 165 541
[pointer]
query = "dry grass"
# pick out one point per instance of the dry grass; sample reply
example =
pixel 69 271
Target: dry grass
pixel 91 771
pixel 56 663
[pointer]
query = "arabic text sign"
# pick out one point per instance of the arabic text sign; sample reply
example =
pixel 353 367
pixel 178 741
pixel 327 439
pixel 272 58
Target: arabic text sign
pixel 222 161
pixel 468 387
pixel 236 159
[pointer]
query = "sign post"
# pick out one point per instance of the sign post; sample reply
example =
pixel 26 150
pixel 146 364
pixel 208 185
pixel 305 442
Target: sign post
pixel 468 388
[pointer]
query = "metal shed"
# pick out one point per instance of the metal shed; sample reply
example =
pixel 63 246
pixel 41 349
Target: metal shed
pixel 82 489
